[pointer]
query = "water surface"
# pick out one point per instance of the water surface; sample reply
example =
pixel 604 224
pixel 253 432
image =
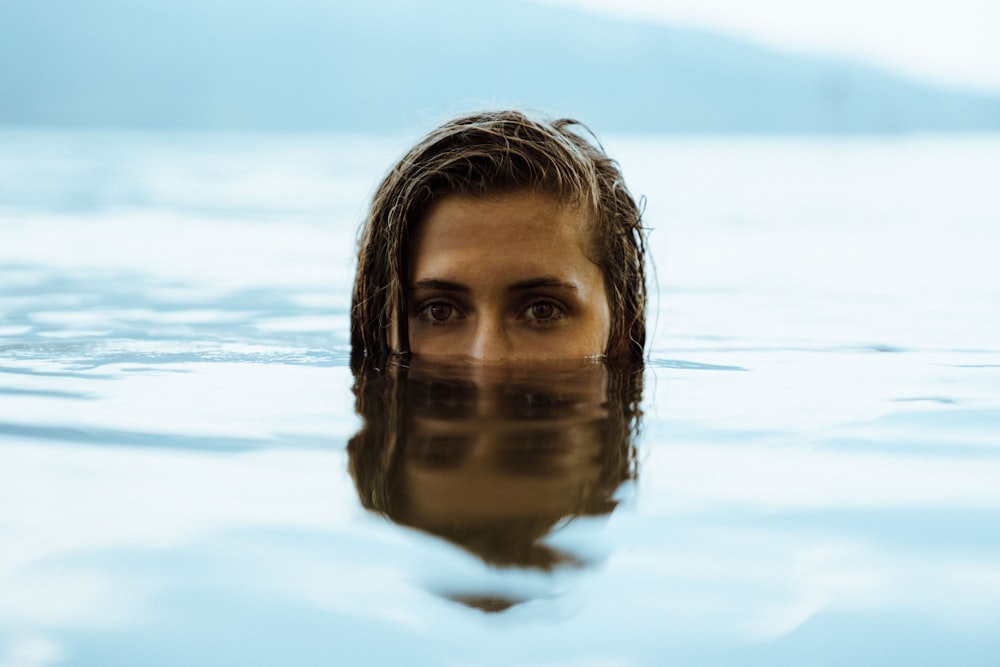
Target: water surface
pixel 810 472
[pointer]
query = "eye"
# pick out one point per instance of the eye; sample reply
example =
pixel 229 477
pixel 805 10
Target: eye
pixel 543 312
pixel 438 312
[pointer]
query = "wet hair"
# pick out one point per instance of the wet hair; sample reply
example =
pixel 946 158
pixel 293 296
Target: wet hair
pixel 487 154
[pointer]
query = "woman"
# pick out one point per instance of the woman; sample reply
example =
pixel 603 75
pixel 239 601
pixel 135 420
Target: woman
pixel 499 237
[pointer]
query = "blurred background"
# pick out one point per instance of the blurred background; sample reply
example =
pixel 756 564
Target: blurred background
pixel 672 66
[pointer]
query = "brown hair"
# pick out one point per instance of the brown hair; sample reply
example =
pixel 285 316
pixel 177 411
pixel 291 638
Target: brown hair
pixel 489 153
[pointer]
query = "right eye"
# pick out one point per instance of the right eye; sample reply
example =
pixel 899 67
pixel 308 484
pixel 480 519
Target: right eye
pixel 438 312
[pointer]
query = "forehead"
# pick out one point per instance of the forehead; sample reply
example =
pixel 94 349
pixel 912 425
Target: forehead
pixel 524 222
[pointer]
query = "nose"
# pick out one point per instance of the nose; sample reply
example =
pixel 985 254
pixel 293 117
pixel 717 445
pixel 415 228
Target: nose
pixel 490 341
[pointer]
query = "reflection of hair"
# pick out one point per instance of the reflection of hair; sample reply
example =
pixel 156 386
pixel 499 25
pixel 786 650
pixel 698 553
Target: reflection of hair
pixel 491 153
pixel 377 455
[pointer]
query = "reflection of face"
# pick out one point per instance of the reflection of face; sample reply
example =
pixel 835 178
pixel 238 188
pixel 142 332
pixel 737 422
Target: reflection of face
pixel 492 457
pixel 506 277
pixel 493 448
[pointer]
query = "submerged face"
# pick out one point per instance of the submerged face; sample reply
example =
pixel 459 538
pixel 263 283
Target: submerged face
pixel 507 277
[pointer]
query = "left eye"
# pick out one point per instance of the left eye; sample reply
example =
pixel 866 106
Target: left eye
pixel 543 310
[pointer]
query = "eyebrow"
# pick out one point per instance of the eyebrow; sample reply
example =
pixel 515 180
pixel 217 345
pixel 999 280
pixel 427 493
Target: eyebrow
pixel 440 285
pixel 519 286
pixel 535 283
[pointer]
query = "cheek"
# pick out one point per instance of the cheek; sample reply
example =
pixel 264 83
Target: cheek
pixel 601 292
pixel 605 323
pixel 602 300
pixel 602 316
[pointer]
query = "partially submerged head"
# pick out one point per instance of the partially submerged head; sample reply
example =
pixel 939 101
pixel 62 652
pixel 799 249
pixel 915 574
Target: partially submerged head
pixel 500 236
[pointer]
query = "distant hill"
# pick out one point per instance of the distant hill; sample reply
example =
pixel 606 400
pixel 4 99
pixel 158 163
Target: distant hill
pixel 392 64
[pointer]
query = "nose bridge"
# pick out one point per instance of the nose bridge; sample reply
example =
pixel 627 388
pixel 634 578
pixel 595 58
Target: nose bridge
pixel 490 339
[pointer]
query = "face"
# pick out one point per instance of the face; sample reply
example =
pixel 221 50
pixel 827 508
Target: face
pixel 509 277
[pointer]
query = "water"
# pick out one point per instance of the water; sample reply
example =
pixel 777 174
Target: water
pixel 812 475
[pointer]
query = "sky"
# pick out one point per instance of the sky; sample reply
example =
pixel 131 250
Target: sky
pixel 953 42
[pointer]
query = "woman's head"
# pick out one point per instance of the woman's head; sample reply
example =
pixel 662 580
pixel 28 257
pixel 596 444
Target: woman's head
pixel 470 235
